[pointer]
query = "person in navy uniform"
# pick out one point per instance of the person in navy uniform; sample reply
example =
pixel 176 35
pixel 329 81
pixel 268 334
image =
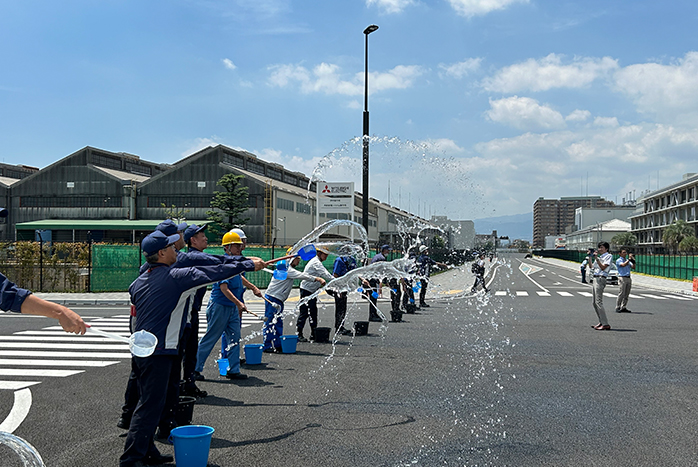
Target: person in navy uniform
pixel 162 297
pixel 376 285
pixel 342 265
pixel 19 300
pixel 424 265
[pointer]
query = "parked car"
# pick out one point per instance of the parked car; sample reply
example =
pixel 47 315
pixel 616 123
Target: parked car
pixel 612 275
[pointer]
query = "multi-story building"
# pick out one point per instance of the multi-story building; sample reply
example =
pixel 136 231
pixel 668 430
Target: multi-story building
pixel 658 209
pixel 552 216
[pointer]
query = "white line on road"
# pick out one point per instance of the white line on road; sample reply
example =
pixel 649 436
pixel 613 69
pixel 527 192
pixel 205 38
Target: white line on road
pixel 44 362
pixel 565 294
pixel 38 372
pixel 586 294
pixel 542 294
pixel 499 293
pixel 521 293
pixel 58 346
pixel 63 338
pixel 50 354
pixel 676 297
pixel 15 385
pixel 656 297
pixel 20 409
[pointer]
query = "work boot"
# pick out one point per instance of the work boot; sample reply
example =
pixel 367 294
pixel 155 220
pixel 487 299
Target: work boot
pixel 124 422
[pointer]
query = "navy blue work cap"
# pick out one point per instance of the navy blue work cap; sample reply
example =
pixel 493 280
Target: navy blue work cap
pixel 386 247
pixel 168 227
pixel 193 230
pixel 156 241
pixel 182 227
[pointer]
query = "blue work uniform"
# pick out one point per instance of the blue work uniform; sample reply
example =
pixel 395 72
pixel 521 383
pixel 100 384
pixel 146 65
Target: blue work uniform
pixel 11 296
pixel 163 296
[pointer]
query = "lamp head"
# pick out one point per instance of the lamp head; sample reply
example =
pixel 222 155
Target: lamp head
pixel 370 29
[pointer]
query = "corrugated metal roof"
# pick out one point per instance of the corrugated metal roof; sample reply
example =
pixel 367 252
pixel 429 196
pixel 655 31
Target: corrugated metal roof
pixel 7 181
pixel 121 175
pixel 106 224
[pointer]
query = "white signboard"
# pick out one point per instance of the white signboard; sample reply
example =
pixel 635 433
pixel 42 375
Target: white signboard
pixel 335 197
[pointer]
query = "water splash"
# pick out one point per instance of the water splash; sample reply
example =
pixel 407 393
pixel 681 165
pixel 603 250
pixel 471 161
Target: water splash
pixel 26 452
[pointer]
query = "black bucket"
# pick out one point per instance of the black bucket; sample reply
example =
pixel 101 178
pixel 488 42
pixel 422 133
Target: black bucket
pixel 185 410
pixel 360 328
pixel 322 334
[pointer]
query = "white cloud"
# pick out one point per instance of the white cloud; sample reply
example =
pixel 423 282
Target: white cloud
pixel 657 88
pixel 578 116
pixel 524 113
pixel 460 69
pixel 390 6
pixel 325 78
pixel 442 145
pixel 608 122
pixel 229 64
pixel 470 8
pixel 549 73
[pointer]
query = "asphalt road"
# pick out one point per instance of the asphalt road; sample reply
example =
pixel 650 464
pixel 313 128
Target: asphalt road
pixel 516 377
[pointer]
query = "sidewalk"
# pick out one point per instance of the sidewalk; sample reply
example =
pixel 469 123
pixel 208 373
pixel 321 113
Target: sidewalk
pixel 641 280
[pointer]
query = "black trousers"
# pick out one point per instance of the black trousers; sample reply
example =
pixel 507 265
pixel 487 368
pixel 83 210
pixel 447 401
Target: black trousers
pixel 395 296
pixel 191 347
pixel 152 375
pixel 423 291
pixel 340 310
pixel 307 310
pixel 373 305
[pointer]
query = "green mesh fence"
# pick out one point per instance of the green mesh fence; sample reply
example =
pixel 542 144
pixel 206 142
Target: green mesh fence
pixel 681 266
pixel 114 267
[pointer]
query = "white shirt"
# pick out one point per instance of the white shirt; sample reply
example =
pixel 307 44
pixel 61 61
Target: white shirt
pixel 282 289
pixel 606 259
pixel 315 268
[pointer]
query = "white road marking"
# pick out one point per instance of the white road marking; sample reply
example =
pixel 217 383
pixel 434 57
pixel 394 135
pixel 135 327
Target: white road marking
pixel 676 297
pixel 14 385
pixel 656 297
pixel 20 409
pixel 44 362
pixel 29 338
pixel 500 292
pixel 542 294
pixel 55 346
pixel 49 354
pixel 586 294
pixel 521 293
pixel 38 372
pixel 636 296
pixel 565 294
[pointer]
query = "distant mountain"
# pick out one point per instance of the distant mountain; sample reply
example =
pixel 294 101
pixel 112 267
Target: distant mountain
pixel 514 226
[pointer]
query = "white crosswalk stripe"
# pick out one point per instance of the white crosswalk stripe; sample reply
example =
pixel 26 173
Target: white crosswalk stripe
pixel 521 293
pixel 586 294
pixel 542 294
pixel 643 296
pixel 565 294
pixel 36 354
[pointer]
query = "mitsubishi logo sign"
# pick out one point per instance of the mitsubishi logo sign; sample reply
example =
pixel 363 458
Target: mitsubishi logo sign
pixel 335 197
pixel 326 190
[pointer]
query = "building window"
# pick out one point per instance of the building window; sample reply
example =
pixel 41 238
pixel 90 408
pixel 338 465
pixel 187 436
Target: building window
pixel 290 179
pixel 138 169
pixel 285 204
pixel 106 161
pixel 233 160
pixel 274 173
pixel 70 201
pixel 303 208
pixel 255 167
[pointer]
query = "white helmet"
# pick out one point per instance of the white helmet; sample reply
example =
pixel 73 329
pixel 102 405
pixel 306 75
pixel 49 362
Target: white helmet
pixel 423 248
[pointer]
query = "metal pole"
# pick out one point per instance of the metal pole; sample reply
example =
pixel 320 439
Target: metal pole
pixel 364 206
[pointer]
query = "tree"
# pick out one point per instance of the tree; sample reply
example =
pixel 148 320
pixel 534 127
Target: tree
pixel 174 213
pixel 624 239
pixel 228 206
pixel 676 232
pixel 688 244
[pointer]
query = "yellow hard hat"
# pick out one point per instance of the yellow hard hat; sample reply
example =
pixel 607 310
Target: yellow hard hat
pixel 288 252
pixel 231 237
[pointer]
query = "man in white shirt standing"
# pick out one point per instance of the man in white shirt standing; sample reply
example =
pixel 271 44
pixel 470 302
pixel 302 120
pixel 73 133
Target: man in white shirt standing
pixel 314 268
pixel 600 263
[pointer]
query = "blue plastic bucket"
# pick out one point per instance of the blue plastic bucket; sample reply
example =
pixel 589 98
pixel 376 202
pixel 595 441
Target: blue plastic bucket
pixel 223 366
pixel 288 343
pixel 253 354
pixel 191 445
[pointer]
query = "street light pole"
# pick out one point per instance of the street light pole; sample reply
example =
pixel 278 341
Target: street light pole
pixel 284 221
pixel 364 207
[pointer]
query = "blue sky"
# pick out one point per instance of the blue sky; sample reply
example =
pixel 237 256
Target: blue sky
pixel 478 107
